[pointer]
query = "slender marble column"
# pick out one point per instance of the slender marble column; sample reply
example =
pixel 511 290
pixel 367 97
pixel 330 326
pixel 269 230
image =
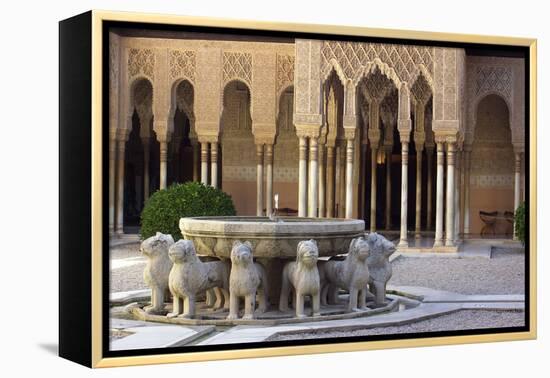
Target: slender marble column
pixel 374 152
pixel 467 153
pixel 121 152
pixel 302 183
pixel 429 190
pixel 269 179
pixel 418 208
pixel 259 179
pixel 338 182
pixel 438 242
pixel 313 178
pixel 404 193
pixel 450 211
pixel 388 186
pixel 146 156
pixel 112 184
pixel 342 181
pixel 204 163
pixel 214 164
pixel 163 163
pixel 196 160
pixel 349 178
pixel 517 186
pixel 330 181
pixel 322 180
pixel 458 184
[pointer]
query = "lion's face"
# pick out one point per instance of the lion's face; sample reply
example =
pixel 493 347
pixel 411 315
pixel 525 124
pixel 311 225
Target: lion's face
pixel 241 253
pixel 156 245
pixel 379 245
pixel 182 251
pixel 360 249
pixel 308 252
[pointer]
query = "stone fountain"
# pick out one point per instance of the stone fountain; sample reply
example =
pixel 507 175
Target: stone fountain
pixel 255 256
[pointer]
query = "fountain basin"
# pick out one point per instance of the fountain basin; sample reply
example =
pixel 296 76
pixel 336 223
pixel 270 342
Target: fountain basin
pixel 214 236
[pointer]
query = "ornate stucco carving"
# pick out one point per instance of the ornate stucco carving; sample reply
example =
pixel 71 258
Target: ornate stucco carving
pixel 182 64
pixel 353 57
pixel 285 71
pixel 237 66
pixel 141 61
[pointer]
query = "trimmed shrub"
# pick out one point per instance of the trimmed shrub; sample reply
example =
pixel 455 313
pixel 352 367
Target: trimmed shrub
pixel 163 210
pixel 519 222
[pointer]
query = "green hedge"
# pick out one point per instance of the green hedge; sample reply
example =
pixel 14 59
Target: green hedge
pixel 519 222
pixel 163 210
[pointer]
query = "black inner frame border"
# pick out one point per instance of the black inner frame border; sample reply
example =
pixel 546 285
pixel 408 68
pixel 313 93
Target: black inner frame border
pixel 473 48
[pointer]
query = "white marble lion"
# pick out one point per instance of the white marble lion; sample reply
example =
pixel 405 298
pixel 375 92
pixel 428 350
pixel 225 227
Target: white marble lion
pixel 157 269
pixel 379 265
pixel 247 278
pixel 302 275
pixel 190 277
pixel 351 274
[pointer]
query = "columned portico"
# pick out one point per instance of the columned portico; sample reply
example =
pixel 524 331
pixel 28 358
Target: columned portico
pixel 302 177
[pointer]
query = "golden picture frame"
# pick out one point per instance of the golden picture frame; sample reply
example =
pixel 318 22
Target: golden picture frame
pixel 84 189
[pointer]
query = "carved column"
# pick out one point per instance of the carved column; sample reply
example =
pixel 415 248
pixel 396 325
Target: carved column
pixel 259 179
pixel 388 186
pixel 204 163
pixel 196 159
pixel 163 163
pixel 330 181
pixel 302 181
pixel 214 164
pixel 517 186
pixel 122 138
pixel 404 127
pixel 112 178
pixel 313 178
pixel 450 208
pixel 338 181
pixel 438 242
pixel 467 154
pixel 146 156
pixel 404 192
pixel 458 186
pixel 429 161
pixel 322 181
pixel 418 208
pixel 349 178
pixel 269 179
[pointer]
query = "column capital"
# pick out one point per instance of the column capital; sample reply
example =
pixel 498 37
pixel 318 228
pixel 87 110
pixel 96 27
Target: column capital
pixel 349 133
pixel 445 137
pixel 208 138
pixel 374 136
pixel 308 131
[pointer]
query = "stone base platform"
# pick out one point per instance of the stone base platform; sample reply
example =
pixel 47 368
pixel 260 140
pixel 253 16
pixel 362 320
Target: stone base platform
pixel 208 316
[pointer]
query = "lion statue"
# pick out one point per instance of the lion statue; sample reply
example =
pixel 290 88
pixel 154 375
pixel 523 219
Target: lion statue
pixel 303 276
pixel 351 274
pixel 190 277
pixel 247 278
pixel 157 269
pixel 379 265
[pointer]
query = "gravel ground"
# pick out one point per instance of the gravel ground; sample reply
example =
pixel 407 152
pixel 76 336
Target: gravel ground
pixel 461 320
pixel 504 273
pixel 130 277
